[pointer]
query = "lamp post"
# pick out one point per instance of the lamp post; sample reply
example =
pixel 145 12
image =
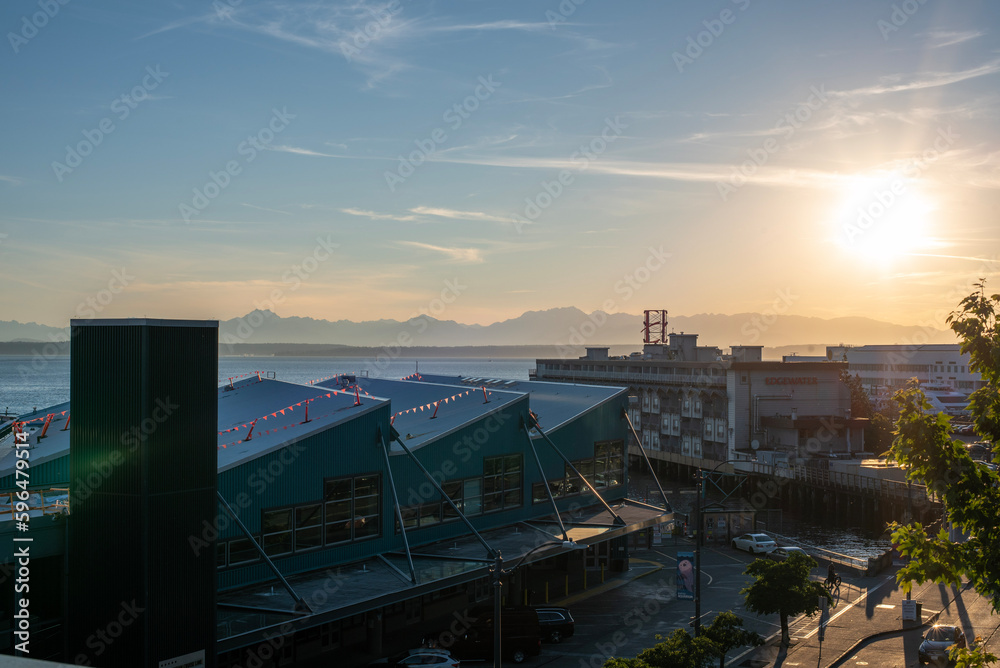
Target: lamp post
pixel 697 545
pixel 498 572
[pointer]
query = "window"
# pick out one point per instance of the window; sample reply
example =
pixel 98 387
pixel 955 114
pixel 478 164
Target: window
pixel 605 469
pixel 276 528
pixel 220 553
pixel 465 494
pixel 242 551
pixel 352 508
pixel 308 527
pixel 501 482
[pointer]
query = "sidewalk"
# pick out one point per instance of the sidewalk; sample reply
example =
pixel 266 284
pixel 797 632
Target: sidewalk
pixel 862 614
pixel 638 568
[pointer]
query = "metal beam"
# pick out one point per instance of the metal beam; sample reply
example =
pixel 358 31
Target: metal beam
pixel 618 519
pixel 395 503
pixel 300 604
pixel 638 442
pixel 545 482
pixel 493 554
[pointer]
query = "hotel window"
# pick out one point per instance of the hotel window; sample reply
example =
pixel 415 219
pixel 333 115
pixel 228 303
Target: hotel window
pixel 501 482
pixel 276 529
pixel 352 508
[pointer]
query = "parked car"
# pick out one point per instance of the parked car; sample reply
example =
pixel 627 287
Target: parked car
pixel 426 658
pixel 938 640
pixel 782 553
pixel 754 543
pixel 556 623
pixel 521 635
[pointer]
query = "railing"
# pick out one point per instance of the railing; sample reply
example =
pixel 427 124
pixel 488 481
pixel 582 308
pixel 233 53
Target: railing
pixel 857 563
pixel 851 482
pixel 57 502
pixel 648 378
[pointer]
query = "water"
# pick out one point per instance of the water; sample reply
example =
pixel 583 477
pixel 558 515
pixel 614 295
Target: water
pixel 27 382
pixel 853 541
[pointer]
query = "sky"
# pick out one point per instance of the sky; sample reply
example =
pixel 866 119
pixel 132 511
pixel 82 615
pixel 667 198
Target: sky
pixel 475 160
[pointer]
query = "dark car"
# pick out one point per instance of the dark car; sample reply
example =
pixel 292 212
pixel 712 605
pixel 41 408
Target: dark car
pixel 784 552
pixel 937 642
pixel 556 623
pixel 520 635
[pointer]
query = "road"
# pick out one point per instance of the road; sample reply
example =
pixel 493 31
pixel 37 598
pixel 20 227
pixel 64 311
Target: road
pixel 970 611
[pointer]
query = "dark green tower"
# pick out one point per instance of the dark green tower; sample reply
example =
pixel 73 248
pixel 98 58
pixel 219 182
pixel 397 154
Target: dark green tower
pixel 144 423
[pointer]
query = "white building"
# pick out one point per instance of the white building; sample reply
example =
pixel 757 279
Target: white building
pixel 942 370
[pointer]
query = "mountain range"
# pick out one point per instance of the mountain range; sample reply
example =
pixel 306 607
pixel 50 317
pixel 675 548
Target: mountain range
pixel 568 327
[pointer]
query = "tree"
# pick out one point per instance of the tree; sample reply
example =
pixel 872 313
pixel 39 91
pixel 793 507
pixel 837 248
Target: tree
pixel 969 491
pixel 680 650
pixel 726 632
pixel 783 587
pixel 878 431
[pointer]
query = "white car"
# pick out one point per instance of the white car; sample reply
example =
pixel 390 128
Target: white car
pixel 754 543
pixel 425 658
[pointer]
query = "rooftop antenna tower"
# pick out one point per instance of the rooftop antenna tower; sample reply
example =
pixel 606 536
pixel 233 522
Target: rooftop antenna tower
pixel 655 327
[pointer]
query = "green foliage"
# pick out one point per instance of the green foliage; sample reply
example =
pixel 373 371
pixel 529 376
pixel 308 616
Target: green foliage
pixel 969 491
pixel 726 632
pixel 878 432
pixel 971 658
pixel 680 650
pixel 783 587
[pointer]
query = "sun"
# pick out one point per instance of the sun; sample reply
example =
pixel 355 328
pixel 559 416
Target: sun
pixel 885 216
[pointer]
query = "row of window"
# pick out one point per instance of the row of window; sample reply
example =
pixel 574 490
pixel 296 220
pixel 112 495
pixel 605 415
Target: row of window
pixel 605 469
pixel 350 511
pixel 498 489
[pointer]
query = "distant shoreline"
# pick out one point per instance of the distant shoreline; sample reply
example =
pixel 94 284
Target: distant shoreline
pixel 49 349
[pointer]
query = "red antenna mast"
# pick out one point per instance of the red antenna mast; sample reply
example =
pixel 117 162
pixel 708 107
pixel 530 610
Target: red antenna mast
pixel 655 327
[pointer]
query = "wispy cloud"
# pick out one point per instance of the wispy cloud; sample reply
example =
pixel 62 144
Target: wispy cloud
pixel 301 151
pixel 374 215
pixel 458 215
pixel 941 38
pixel 13 180
pixel 925 80
pixel 463 255
pixel 264 208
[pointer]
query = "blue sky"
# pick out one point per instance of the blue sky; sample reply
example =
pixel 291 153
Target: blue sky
pixel 360 160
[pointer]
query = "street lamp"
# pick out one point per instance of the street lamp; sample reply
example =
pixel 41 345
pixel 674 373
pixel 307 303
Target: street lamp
pixel 697 545
pixel 498 572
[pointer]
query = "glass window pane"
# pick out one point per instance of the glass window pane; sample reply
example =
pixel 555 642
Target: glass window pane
pixel 430 513
pixel 277 520
pixel 491 502
pixel 308 538
pixel 278 544
pixel 512 481
pixel 220 554
pixel 338 511
pixel 365 527
pixel 309 516
pixel 338 532
pixel 366 486
pixel 512 463
pixel 241 551
pixel 453 489
pixel 512 499
pixel 366 506
pixel 337 489
pixel 538 494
